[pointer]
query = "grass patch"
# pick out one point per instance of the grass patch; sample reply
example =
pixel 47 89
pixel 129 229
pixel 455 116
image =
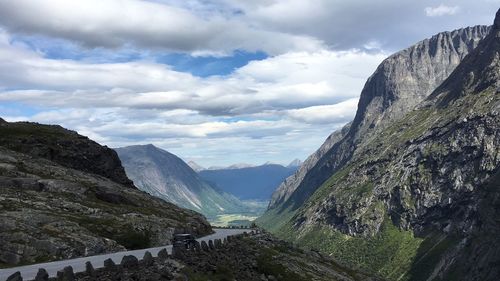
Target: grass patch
pixel 228 219
pixel 222 273
pixel 274 219
pixel 134 240
pixel 389 254
pixel 267 265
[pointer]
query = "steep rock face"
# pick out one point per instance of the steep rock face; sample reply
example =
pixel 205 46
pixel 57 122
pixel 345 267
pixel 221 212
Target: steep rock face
pixel 288 186
pixel 64 147
pixel 397 86
pixel 49 211
pixel 166 176
pixel 420 199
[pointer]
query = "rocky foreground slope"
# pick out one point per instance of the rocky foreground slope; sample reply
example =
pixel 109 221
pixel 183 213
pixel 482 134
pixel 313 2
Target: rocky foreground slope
pixel 63 195
pixel 412 194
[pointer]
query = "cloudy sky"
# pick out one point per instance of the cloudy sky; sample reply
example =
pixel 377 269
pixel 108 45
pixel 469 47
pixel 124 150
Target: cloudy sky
pixel 215 81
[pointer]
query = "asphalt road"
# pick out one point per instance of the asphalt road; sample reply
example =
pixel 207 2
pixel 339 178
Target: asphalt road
pixel 28 272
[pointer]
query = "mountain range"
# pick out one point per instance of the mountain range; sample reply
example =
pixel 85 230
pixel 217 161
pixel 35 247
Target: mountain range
pixel 410 189
pixel 166 176
pixel 248 183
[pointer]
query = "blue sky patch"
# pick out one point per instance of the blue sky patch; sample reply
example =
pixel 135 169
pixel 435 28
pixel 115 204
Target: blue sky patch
pixel 201 66
pixel 209 66
pixel 14 109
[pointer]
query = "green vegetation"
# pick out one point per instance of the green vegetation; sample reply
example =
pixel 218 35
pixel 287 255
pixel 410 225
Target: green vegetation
pixel 429 254
pixel 221 273
pixel 232 219
pixel 389 254
pixel 269 266
pixel 273 220
pixel 116 230
pixel 133 240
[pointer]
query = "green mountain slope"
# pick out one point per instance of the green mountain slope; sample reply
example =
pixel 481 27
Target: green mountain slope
pixel 419 198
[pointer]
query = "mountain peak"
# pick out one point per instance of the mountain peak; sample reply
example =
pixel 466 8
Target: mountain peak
pixel 195 166
pixel 240 166
pixel 295 163
pixel 496 24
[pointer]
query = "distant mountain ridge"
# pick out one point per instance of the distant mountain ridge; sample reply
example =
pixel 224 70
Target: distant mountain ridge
pixel 248 183
pixel 164 175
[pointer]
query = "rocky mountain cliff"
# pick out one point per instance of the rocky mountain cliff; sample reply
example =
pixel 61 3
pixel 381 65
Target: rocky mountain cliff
pixel 64 147
pixel 397 86
pixel 412 191
pixel 166 176
pixel 63 196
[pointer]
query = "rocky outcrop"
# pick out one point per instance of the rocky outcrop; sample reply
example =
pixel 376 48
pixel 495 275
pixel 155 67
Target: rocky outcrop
pixel 416 197
pixel 51 211
pixel 64 147
pixel 166 176
pixel 287 187
pixel 400 82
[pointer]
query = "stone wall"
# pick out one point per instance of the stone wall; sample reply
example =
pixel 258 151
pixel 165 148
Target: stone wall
pixel 163 267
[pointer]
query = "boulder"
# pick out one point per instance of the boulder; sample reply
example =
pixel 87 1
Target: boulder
pixel 163 254
pixel 197 246
pixel 109 264
pixel 204 246
pixel 15 277
pixel 89 269
pixel 66 274
pixel 217 244
pixel 148 259
pixel 42 275
pixel 129 261
pixel 178 252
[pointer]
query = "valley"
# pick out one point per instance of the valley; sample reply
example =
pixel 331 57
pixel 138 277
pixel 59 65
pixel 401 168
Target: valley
pixel 154 172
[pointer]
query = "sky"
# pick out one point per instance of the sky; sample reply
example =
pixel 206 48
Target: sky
pixel 214 81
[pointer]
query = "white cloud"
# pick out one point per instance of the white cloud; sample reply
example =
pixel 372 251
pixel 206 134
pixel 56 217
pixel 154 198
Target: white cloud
pixel 342 112
pixel 218 27
pixel 441 10
pixel 289 81
pixel 272 109
pixel 117 23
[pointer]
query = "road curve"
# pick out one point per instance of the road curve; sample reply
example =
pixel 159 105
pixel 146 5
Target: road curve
pixel 28 272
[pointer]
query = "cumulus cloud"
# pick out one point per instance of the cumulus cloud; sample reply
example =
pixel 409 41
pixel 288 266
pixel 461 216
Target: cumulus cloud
pixel 116 23
pixel 441 10
pixel 342 112
pixel 289 81
pixel 280 108
pixel 279 98
pixel 219 27
pixel 358 23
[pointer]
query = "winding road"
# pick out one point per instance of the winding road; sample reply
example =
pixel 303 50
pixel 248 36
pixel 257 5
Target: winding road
pixel 28 272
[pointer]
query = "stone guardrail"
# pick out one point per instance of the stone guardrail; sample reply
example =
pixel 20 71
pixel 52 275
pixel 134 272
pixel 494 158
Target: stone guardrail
pixel 130 261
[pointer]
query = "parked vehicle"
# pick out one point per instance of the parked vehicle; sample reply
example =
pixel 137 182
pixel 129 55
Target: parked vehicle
pixel 183 240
